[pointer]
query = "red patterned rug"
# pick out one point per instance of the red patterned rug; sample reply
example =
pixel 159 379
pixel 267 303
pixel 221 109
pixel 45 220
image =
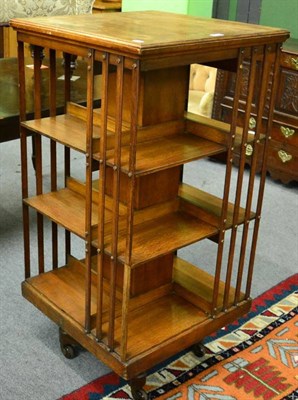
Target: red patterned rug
pixel 254 358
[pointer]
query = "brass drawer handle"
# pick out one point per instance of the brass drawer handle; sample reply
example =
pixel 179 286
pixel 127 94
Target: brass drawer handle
pixel 249 150
pixel 252 123
pixel 287 132
pixel 294 62
pixel 284 156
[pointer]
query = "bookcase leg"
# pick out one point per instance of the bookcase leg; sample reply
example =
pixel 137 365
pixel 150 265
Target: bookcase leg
pixel 136 386
pixel 68 345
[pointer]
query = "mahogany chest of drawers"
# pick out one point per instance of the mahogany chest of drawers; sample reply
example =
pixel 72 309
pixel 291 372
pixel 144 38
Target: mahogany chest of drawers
pixel 282 161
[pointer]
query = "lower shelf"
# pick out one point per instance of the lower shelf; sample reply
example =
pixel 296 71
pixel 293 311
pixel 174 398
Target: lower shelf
pixel 166 323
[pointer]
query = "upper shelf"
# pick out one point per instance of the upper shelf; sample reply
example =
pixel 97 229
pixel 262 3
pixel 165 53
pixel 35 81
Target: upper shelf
pixel 58 128
pixel 152 155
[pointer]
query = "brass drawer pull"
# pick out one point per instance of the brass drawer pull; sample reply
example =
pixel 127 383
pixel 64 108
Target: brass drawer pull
pixel 294 62
pixel 287 132
pixel 252 123
pixel 249 150
pixel 284 156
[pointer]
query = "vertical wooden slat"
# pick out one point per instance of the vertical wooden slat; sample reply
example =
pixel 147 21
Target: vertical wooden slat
pixel 88 192
pixel 125 310
pixel 37 51
pixel 253 165
pixel 116 193
pixel 272 55
pixel 223 220
pixel 53 150
pixel 102 185
pixel 135 88
pixel 24 158
pixel 67 77
pixel 251 88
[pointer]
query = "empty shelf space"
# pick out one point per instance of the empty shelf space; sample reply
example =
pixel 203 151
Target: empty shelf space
pixel 208 207
pixel 64 288
pixel 158 322
pixel 163 235
pixel 219 131
pixel 65 207
pixel 70 129
pixel 166 152
pixel 65 129
pixel 198 286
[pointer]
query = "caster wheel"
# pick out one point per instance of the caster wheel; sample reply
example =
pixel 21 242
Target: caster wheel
pixel 68 351
pixel 139 394
pixel 199 350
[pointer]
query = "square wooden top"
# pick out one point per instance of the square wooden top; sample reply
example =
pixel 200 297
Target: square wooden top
pixel 149 33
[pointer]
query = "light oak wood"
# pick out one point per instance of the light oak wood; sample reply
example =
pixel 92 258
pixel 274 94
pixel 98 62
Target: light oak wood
pixel 207 207
pixel 198 286
pixel 131 301
pixel 60 207
pixel 168 152
pixel 58 128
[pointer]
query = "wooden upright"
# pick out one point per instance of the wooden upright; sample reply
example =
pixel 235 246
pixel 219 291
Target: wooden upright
pixel 128 296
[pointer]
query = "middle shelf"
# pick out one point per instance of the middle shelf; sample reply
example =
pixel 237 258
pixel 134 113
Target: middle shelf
pixel 159 229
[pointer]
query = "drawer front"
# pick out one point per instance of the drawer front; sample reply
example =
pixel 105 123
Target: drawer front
pixel 284 159
pixel 285 133
pixel 288 60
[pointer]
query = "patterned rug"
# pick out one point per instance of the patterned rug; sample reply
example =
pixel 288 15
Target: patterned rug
pixel 254 358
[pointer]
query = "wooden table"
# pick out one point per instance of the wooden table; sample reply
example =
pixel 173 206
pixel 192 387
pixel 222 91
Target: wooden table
pixel 9 93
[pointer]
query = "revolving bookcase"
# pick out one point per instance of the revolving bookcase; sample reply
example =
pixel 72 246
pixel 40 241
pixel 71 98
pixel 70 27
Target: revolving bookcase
pixel 129 297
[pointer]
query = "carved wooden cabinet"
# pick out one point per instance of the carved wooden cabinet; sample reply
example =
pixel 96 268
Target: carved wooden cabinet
pixel 122 289
pixel 282 161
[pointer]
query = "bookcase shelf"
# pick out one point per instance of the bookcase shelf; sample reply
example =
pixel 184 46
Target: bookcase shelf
pixel 130 299
pixel 61 206
pixel 167 152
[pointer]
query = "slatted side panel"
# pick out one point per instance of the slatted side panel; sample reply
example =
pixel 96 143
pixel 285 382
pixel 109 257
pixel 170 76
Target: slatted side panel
pixel 53 148
pixel 237 247
pixel 116 68
pixel 239 186
pixel 227 184
pixel 270 72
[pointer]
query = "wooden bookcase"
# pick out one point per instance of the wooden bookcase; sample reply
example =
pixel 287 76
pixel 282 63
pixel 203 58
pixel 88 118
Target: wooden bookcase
pixel 130 299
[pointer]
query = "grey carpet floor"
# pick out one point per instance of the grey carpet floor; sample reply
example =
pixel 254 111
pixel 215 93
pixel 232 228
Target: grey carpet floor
pixel 31 363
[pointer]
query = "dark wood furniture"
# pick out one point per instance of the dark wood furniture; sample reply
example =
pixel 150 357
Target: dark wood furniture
pixel 128 297
pixel 283 148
